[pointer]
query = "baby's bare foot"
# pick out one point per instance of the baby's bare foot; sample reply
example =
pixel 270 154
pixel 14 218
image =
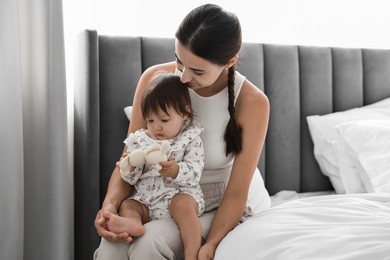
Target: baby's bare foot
pixel 118 224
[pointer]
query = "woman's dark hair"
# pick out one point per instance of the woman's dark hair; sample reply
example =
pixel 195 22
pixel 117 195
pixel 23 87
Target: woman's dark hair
pixel 214 34
pixel 165 92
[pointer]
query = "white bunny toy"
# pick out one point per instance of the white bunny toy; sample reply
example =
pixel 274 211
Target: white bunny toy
pixel 150 156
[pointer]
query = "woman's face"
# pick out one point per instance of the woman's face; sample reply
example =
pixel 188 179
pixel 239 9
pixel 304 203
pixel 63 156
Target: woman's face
pixel 195 71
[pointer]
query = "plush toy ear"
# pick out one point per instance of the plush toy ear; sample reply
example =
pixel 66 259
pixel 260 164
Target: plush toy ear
pixel 151 148
pixel 165 145
pixel 124 166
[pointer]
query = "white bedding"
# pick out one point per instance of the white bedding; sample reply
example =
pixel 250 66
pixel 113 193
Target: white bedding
pixel 289 195
pixel 336 227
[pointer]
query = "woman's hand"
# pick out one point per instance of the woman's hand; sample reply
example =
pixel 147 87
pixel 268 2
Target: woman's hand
pixel 101 227
pixel 206 252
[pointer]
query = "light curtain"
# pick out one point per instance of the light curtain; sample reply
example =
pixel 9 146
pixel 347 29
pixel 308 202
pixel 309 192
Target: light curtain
pixel 36 177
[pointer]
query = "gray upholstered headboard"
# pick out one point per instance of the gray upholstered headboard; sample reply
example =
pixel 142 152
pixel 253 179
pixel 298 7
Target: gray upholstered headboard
pixel 298 80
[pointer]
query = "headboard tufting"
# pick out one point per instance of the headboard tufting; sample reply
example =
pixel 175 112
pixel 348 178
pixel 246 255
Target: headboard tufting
pixel 298 80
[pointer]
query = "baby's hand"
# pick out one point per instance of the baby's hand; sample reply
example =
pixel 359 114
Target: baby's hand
pixel 169 169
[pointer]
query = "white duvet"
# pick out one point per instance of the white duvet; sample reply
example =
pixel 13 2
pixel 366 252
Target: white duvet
pixel 334 227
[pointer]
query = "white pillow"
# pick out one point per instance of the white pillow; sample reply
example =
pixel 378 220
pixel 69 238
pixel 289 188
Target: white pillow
pixel 128 111
pixel 367 142
pixel 324 135
pixel 350 179
pixel 324 152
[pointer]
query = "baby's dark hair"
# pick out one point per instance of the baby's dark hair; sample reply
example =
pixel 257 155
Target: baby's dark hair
pixel 165 92
pixel 214 34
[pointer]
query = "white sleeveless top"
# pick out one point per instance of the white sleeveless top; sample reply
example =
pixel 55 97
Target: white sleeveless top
pixel 213 114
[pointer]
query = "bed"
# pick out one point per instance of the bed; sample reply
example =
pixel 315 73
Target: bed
pixel 325 163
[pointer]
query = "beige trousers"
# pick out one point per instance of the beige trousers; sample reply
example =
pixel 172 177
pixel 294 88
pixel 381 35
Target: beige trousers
pixel 162 240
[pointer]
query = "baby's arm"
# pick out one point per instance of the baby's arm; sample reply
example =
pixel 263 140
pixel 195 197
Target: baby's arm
pixel 128 171
pixel 191 167
pixel 132 174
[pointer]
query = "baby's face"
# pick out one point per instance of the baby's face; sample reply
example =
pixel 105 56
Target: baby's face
pixel 163 126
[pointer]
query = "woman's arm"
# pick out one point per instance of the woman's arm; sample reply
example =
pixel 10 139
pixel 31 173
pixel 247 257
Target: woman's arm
pixel 118 189
pixel 252 111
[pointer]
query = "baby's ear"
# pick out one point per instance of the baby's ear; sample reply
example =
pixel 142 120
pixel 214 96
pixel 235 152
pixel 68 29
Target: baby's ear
pixel 188 109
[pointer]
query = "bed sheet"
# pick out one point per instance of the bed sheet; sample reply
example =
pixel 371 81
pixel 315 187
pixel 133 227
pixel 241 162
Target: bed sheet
pixel 337 227
pixel 289 195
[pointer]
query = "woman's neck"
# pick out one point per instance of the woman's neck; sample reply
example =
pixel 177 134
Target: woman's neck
pixel 216 87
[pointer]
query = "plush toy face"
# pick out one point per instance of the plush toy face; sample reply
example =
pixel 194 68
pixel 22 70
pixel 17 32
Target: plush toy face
pixel 157 153
pixel 151 156
pixel 155 156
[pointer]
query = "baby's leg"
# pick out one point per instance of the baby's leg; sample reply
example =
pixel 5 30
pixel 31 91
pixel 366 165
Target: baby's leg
pixel 132 216
pixel 184 210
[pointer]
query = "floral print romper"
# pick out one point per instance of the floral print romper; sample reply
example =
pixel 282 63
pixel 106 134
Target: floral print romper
pixel 156 191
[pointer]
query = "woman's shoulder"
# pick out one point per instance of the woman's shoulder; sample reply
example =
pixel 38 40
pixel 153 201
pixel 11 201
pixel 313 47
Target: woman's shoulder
pixel 160 68
pixel 148 75
pixel 251 96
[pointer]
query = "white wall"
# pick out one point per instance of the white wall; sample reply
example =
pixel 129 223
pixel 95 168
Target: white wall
pixel 341 23
pixel 344 23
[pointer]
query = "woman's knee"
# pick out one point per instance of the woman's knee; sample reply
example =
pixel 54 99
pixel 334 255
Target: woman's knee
pixel 161 241
pixel 111 250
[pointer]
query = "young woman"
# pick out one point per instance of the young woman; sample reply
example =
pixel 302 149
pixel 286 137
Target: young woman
pixel 234 114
